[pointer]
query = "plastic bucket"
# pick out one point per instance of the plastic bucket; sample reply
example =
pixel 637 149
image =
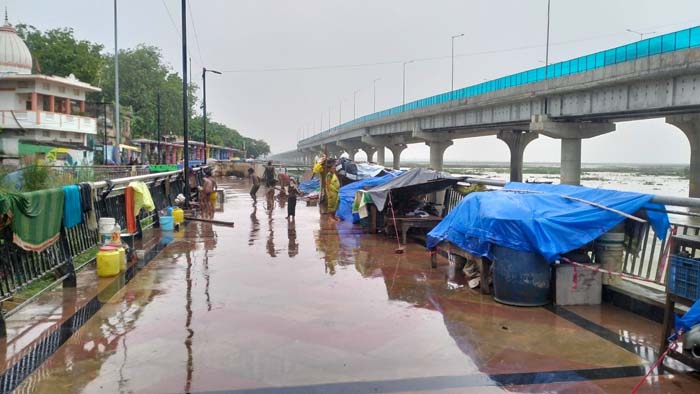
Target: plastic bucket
pixel 106 226
pixel 166 223
pixel 609 253
pixel 520 278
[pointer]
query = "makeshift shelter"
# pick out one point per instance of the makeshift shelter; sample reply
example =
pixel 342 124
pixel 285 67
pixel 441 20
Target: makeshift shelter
pixel 540 218
pixel 414 181
pixel 347 194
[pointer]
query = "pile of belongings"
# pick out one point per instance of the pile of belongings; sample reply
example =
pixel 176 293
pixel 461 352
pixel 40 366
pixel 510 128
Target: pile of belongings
pixel 356 171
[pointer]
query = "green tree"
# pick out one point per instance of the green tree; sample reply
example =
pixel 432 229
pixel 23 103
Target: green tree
pixel 58 52
pixel 142 73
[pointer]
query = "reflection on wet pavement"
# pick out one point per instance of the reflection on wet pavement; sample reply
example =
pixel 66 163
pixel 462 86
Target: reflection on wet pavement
pixel 329 309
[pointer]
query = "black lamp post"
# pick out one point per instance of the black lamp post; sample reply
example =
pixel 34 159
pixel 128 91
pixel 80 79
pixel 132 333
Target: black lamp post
pixel 204 107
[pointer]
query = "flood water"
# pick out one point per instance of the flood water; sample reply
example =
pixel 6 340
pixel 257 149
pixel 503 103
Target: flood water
pixel 271 306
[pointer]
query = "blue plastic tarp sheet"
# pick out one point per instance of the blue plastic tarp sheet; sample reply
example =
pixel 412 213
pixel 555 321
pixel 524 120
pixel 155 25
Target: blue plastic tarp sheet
pixel 347 194
pixel 539 219
pixel 310 186
pixel 690 319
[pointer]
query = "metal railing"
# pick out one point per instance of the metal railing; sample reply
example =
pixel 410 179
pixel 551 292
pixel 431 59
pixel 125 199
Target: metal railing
pixel 20 268
pixel 55 176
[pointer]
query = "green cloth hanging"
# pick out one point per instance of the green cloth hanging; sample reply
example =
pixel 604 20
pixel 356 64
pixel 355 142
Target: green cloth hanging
pixel 40 228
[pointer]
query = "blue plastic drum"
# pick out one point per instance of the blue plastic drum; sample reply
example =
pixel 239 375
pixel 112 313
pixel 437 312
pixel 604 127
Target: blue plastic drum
pixel 520 278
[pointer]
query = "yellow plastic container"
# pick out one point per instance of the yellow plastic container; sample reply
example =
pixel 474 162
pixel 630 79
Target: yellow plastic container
pixel 122 258
pixel 178 215
pixel 212 197
pixel 108 261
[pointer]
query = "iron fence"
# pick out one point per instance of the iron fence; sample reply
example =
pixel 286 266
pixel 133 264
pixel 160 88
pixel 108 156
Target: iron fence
pixel 20 268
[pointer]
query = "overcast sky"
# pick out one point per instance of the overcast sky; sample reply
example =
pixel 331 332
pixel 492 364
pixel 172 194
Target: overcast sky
pixel 244 37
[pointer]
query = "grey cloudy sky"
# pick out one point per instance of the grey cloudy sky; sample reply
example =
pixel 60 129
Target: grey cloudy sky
pixel 236 35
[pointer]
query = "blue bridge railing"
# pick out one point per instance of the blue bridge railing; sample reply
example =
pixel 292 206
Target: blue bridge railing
pixel 679 40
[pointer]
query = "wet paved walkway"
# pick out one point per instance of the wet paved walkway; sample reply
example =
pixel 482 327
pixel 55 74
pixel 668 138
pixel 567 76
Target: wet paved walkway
pixel 276 307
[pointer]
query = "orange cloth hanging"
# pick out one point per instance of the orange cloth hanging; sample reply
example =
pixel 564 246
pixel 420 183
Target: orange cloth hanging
pixel 129 203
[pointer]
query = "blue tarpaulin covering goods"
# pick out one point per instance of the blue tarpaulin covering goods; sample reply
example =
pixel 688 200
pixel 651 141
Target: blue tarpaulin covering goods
pixel 310 186
pixel 690 319
pixel 347 194
pixel 539 218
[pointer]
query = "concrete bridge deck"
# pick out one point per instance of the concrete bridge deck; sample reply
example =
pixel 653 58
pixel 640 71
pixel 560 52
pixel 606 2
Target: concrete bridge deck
pixel 313 306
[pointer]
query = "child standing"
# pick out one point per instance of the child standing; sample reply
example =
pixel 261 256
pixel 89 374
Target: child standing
pixel 292 193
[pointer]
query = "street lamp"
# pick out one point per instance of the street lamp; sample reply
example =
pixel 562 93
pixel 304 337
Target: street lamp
pixel 641 35
pixel 403 100
pixel 452 84
pixel 354 97
pixel 374 101
pixel 204 106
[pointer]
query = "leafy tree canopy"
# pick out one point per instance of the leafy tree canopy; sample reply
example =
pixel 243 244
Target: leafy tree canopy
pixel 142 75
pixel 58 52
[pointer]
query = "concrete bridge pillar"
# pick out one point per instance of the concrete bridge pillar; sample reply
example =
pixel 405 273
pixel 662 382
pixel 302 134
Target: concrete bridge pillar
pixel 516 140
pixel 369 151
pixel 570 134
pixel 570 167
pixel 437 152
pixel 396 153
pixel 380 155
pixel 690 126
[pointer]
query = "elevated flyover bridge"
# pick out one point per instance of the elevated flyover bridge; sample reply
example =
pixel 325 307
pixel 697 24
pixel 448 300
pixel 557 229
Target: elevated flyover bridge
pixel 570 100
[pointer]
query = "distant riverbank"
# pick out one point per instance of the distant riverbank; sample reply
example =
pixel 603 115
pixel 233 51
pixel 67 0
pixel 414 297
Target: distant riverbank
pixel 667 179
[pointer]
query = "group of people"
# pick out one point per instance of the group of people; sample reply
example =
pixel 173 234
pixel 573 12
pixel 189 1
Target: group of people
pixel 325 169
pixel 270 180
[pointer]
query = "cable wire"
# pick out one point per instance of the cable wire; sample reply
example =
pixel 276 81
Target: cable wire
pixel 194 28
pixel 171 18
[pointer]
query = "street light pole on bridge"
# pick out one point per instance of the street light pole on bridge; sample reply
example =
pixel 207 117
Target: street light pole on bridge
pixel 452 84
pixel 403 100
pixel 374 100
pixel 354 97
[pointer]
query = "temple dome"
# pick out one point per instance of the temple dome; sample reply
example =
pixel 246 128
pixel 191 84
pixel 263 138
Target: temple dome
pixel 14 54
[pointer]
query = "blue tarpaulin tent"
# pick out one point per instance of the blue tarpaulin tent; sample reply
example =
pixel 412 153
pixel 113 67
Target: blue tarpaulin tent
pixel 347 194
pixel 537 218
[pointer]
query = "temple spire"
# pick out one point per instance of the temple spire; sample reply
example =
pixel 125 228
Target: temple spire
pixel 7 20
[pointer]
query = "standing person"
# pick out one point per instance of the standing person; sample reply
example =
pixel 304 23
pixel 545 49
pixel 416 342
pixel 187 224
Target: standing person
pixel 332 188
pixel 270 179
pixel 205 195
pixel 292 193
pixel 256 184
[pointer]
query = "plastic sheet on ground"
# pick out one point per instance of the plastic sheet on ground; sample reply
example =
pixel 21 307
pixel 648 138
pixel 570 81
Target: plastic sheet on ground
pixel 540 220
pixel 347 194
pixel 310 186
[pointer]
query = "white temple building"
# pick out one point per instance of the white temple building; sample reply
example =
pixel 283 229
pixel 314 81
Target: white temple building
pixel 41 117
